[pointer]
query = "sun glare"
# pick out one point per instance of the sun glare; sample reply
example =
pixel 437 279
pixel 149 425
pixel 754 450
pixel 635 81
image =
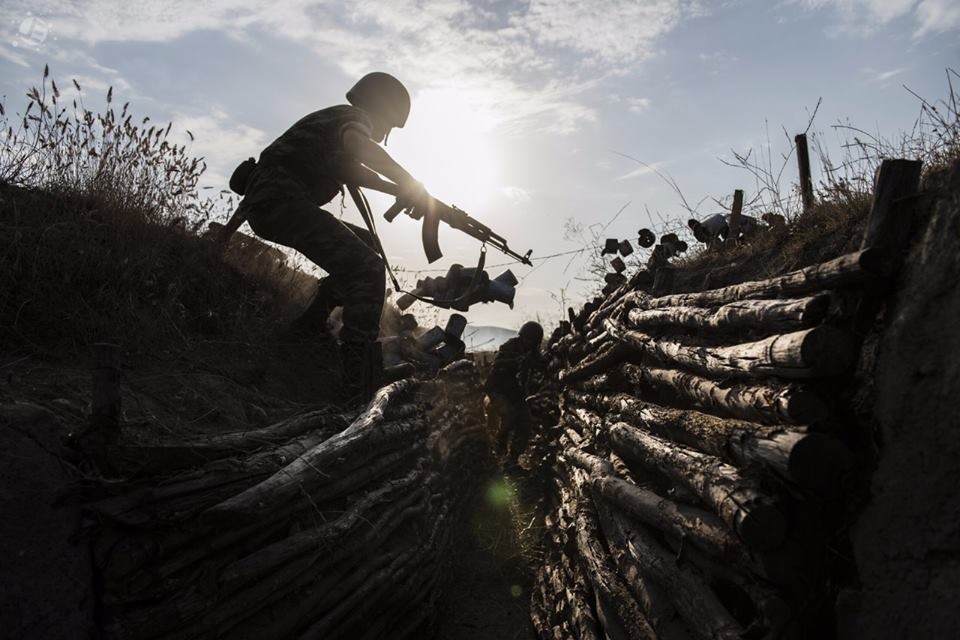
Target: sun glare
pixel 448 145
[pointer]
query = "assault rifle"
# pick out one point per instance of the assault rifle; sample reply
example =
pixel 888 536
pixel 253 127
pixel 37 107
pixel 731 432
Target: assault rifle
pixel 435 211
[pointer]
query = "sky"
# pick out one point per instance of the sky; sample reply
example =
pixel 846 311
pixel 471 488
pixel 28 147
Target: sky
pixel 525 114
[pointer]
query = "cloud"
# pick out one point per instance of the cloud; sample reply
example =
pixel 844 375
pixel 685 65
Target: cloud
pixel 882 76
pixel 12 56
pixel 531 61
pixel 99 86
pixel 222 143
pixel 644 170
pixel 638 105
pixel 937 16
pixel 619 32
pixel 862 17
pixel 515 194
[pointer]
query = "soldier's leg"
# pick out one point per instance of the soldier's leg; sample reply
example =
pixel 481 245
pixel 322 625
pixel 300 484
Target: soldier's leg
pixel 522 425
pixel 358 273
pixel 506 409
pixel 327 242
pixel 492 420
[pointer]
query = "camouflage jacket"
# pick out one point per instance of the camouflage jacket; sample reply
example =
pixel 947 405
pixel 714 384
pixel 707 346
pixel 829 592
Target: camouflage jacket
pixel 305 160
pixel 510 370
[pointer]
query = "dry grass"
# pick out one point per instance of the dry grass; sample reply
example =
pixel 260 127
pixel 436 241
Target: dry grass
pixel 99 236
pixel 834 225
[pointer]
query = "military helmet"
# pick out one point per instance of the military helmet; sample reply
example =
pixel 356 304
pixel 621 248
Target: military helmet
pixel 531 333
pixel 383 96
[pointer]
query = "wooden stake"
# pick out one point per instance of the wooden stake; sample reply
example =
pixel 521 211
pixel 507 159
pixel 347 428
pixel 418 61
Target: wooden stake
pixel 803 160
pixel 735 211
pixel 889 223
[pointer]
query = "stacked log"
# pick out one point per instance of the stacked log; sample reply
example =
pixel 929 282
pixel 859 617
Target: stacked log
pixel 323 526
pixel 702 453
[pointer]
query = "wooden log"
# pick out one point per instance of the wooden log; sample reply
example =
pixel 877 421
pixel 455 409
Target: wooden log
pixel 290 614
pixel 322 421
pixel 575 588
pixel 375 586
pixel 147 507
pixel 357 479
pixel 601 383
pixel 331 585
pixel 819 352
pixel 815 461
pixel 308 471
pixel 397 491
pixel 599 572
pixel 766 315
pixel 166 456
pixel 768 403
pixel 608 356
pixel 546 606
pixel 360 603
pixel 656 604
pixel 700 527
pixel 696 525
pixel 566 575
pixel 869 265
pixel 773 611
pixel 701 610
pixel 746 509
pixel 803 165
pixel 642 279
pixel 274 570
pixel 704 614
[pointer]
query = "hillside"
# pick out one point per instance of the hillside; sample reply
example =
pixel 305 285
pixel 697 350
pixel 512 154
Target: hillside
pixel 486 338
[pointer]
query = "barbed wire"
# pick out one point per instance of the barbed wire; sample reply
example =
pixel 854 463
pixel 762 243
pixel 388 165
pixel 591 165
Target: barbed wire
pixel 658 229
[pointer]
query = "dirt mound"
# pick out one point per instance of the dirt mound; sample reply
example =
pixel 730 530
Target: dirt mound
pixel 906 543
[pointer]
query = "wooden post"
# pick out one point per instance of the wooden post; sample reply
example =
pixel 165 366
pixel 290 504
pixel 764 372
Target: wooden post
pixel 735 211
pixel 663 280
pixel 888 226
pixel 803 160
pixel 889 223
pixel 105 404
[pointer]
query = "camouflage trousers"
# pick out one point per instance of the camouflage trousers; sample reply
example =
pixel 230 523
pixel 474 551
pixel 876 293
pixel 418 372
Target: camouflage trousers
pixel 509 424
pixel 357 278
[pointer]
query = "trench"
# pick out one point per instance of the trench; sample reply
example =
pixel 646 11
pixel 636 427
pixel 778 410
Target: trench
pixel 702 462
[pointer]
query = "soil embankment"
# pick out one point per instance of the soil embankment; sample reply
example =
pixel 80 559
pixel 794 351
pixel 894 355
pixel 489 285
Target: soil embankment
pixel 907 542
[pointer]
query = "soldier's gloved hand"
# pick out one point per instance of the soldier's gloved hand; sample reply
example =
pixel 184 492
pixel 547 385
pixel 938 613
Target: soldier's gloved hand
pixel 413 194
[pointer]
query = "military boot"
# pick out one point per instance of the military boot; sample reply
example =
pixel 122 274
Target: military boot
pixel 362 370
pixel 313 321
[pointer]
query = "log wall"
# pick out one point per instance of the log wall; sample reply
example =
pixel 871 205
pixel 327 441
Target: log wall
pixel 704 454
pixel 323 526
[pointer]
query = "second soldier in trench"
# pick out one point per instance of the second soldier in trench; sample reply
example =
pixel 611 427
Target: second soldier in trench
pixel 509 422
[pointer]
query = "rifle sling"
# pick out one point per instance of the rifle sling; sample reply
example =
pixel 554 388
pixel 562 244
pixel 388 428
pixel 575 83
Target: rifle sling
pixel 363 206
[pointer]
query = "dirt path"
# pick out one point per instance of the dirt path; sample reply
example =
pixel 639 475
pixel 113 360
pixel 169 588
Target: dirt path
pixel 488 592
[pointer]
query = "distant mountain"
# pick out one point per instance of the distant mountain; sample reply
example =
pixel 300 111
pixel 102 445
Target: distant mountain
pixel 484 338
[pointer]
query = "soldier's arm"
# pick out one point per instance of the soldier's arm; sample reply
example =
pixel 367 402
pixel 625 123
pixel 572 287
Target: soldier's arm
pixel 357 174
pixel 371 155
